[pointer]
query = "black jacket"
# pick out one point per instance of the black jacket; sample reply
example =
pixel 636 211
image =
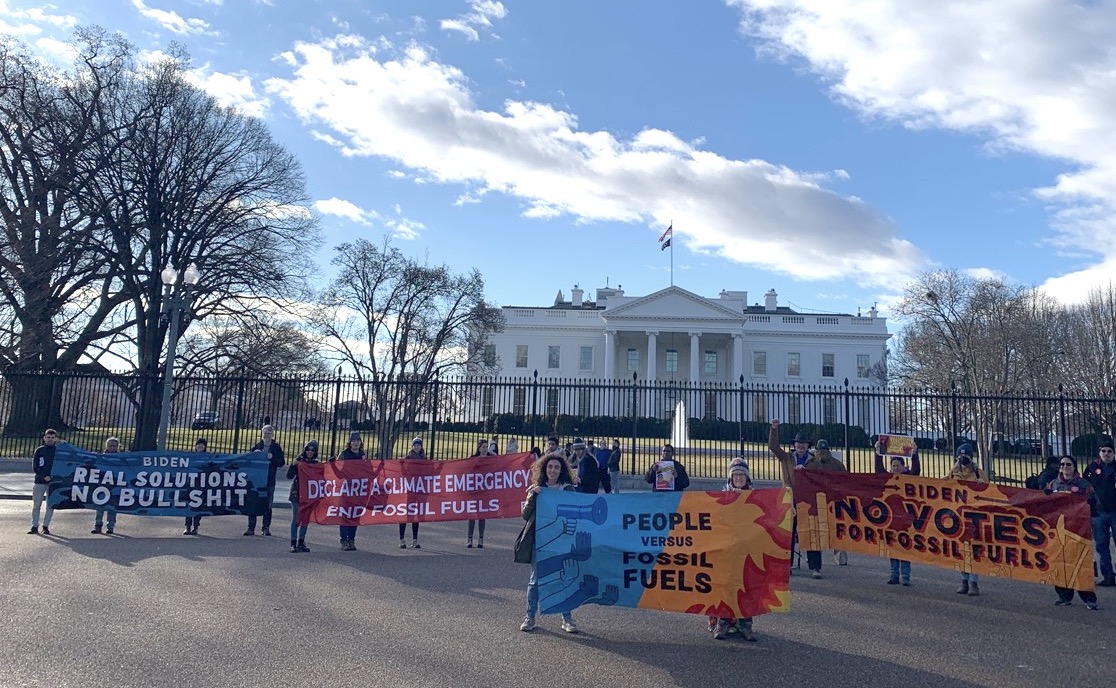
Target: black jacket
pixel 277 460
pixel 681 479
pixel 292 473
pixel 43 463
pixel 1102 476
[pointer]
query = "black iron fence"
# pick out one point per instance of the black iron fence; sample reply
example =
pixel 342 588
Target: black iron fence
pixel 708 423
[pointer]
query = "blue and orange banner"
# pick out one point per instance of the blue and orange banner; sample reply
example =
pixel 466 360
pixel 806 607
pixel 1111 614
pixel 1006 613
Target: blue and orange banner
pixel 987 529
pixel 723 554
pixel 160 483
pixel 363 492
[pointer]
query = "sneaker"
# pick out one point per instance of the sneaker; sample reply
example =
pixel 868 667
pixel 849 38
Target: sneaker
pixel 415 544
pixel 352 545
pixel 815 573
pixel 712 625
pixel 109 531
pixel 266 532
pixel 964 589
pixel 528 624
pixel 1092 606
pixel 194 530
pixel 249 532
pixel 469 543
pixel 45 531
pixel 721 631
pixel 34 530
pixel 96 530
pixel 480 543
pixel 187 531
pixel 906 582
pixel 974 590
pixel 402 543
pixel 893 581
pixel 294 548
pixel 569 626
pixel 842 558
pixel 1062 603
pixel 302 546
pixel 745 631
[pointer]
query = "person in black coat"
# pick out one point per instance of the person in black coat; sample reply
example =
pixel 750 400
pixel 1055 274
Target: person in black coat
pixel 275 458
pixel 298 527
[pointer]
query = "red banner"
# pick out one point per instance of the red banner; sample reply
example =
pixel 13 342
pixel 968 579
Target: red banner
pixel 362 492
pixel 1009 532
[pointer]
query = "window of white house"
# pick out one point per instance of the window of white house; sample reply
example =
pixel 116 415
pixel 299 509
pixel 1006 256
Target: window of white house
pixel 552 401
pixel 553 357
pixel 794 409
pixel 520 355
pixel 490 354
pixel 633 360
pixel 827 365
pixel 759 363
pixel 862 365
pixel 519 401
pixel 794 364
pixel 864 414
pixel 585 358
pixel 584 402
pixel 829 410
pixel 710 363
pixel 488 401
pixel 671 361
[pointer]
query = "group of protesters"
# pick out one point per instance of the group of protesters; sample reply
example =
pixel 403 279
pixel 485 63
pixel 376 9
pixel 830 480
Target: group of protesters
pixel 581 466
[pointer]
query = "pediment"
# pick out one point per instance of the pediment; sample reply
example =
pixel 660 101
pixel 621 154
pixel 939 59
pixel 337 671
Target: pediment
pixel 673 303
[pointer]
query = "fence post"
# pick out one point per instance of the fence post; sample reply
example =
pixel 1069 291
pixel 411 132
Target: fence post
pixel 740 422
pixel 333 423
pixel 434 416
pixel 535 408
pixel 1065 448
pixel 238 419
pixel 845 420
pixel 954 424
pixel 635 417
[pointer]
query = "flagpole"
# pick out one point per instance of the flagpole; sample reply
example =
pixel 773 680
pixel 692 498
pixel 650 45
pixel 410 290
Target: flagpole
pixel 672 253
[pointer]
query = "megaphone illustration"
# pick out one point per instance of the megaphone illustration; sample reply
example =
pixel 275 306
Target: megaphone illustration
pixel 596 512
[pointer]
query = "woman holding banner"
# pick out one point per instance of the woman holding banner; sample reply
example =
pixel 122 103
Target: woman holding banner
pixel 548 473
pixel 900 568
pixel 353 450
pixel 1069 481
pixel 739 479
pixel 112 446
pixel 298 528
pixel 964 468
pixel 483 449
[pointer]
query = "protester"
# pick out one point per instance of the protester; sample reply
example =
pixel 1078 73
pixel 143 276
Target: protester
pixel 602 454
pixel 1040 481
pixel 553 473
pixel 614 466
pixel 354 450
pixel 494 446
pixel 43 464
pixel 788 461
pixel 513 446
pixel 585 464
pixel 112 446
pixel 900 568
pixel 275 459
pixel 552 448
pixel 964 468
pixel 483 449
pixel 667 474
pixel 536 452
pixel 1069 481
pixel 821 459
pixel 192 522
pixel 309 455
pixel 739 479
pixel 417 452
pixel 1101 475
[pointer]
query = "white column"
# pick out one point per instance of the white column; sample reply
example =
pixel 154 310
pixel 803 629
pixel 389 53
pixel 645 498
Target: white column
pixel 652 354
pixel 738 357
pixel 610 355
pixel 693 403
pixel 695 373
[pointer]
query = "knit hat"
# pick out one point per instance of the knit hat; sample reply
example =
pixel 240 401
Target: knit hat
pixel 578 443
pixel 965 450
pixel 312 444
pixel 417 440
pixel 739 465
pixel 1107 444
pixel 822 444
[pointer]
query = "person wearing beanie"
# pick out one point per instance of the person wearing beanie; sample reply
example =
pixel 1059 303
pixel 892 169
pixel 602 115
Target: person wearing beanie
pixel 585 463
pixel 900 568
pixel 112 446
pixel 482 450
pixel 275 459
pixel 1101 474
pixel 354 450
pixel 417 453
pixel 201 446
pixel 739 479
pixel 1069 481
pixel 964 468
pixel 298 527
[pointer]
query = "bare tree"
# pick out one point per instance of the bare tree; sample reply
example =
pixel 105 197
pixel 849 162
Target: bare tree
pixel 398 324
pixel 1087 355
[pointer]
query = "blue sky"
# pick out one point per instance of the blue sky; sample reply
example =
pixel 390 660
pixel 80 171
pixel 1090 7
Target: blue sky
pixel 827 150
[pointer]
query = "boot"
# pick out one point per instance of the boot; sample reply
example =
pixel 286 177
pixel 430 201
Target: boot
pixel 974 589
pixel 480 543
pixel 469 543
pixel 302 546
pixel 744 628
pixel 294 547
pixel 964 589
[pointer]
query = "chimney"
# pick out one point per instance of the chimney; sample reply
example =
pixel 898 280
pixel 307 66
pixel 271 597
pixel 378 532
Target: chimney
pixel 575 296
pixel 872 312
pixel 771 301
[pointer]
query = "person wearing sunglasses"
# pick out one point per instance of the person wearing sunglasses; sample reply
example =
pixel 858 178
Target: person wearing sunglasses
pixel 1069 481
pixel 1101 474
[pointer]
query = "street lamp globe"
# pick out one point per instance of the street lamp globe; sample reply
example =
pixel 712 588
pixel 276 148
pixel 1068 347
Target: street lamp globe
pixel 192 275
pixel 169 275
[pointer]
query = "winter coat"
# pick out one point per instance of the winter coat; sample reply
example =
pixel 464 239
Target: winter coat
pixel 525 543
pixel 915 468
pixel 292 473
pixel 823 460
pixel 970 473
pixel 277 460
pixel 43 463
pixel 1102 477
pixel 1075 485
pixel 614 460
pixel 681 478
pixel 788 461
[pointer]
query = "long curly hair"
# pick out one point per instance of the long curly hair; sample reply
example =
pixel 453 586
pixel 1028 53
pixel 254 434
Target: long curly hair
pixel 538 471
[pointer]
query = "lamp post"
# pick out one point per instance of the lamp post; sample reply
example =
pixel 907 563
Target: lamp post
pixel 176 307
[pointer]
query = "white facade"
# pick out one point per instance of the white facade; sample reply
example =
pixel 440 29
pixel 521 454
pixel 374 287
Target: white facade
pixel 676 335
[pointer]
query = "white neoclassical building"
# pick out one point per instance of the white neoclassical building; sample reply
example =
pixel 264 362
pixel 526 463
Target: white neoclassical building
pixel 676 335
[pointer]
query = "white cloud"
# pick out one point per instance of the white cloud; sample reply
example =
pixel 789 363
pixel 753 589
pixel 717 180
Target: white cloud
pixel 172 21
pixel 480 17
pixel 231 90
pixel 1036 76
pixel 339 207
pixel 419 113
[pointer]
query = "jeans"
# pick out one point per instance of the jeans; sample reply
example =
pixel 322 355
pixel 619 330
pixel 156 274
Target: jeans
pixel 347 533
pixel 193 522
pixel 970 578
pixel 38 495
pixel 474 522
pixel 813 559
pixel 296 529
pixel 900 568
pixel 1103 532
pixel 403 530
pixel 533 597
pixel 100 519
pixel 614 480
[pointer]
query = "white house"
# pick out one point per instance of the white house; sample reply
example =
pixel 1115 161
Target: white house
pixel 678 336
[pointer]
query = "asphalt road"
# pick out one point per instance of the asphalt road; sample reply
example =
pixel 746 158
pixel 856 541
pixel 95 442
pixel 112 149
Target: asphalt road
pixel 152 607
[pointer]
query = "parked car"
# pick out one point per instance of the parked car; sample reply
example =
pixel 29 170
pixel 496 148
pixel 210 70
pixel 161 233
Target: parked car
pixel 206 420
pixel 1026 445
